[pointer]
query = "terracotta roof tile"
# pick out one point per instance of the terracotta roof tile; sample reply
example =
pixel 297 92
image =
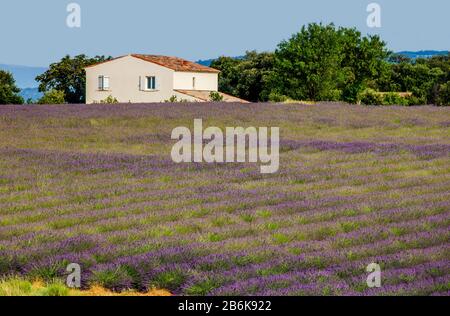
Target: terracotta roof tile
pixel 175 63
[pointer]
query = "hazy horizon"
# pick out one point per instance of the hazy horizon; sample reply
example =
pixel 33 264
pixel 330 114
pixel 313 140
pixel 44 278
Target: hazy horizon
pixel 202 29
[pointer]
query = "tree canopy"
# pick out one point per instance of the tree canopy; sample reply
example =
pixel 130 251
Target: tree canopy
pixel 425 78
pixel 52 97
pixel 8 89
pixel 329 63
pixel 247 77
pixel 325 63
pixel 69 76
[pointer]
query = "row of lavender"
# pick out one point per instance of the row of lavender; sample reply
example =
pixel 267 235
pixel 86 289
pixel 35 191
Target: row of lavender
pixel 372 186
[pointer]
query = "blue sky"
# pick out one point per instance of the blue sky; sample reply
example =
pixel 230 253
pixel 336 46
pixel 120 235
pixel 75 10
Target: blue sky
pixel 34 32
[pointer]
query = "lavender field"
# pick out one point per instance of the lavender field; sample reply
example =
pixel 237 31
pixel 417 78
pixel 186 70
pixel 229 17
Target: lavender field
pixel 96 185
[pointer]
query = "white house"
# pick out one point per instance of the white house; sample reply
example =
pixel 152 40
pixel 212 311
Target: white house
pixel 139 78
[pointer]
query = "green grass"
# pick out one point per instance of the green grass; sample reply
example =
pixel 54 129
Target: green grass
pixel 19 287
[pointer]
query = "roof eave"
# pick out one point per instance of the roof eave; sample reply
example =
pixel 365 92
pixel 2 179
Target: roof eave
pixel 104 62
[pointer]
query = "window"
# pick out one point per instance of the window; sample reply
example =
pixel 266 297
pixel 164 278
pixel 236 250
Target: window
pixel 103 83
pixel 193 83
pixel 151 83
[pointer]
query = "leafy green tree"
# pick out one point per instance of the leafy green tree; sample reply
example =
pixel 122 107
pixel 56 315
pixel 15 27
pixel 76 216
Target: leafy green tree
pixel 364 60
pixel 8 89
pixel 52 97
pixel 254 73
pixel 323 63
pixel 441 62
pixel 248 77
pixel 443 97
pixel 69 76
pixel 228 77
pixel 424 77
pixel 306 65
pixel 417 78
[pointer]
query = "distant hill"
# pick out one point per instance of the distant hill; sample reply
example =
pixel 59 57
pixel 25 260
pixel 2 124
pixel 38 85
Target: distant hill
pixel 31 93
pixel 409 54
pixel 423 54
pixel 208 62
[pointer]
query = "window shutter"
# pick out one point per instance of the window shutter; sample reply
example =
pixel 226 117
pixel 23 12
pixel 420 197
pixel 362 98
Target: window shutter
pixel 106 83
pixel 100 82
pixel 157 84
pixel 141 83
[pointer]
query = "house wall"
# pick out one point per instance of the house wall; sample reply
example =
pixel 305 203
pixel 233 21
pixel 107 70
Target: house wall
pixel 203 81
pixel 124 81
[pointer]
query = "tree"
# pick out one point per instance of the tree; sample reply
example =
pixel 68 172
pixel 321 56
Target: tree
pixel 415 77
pixel 255 72
pixel 306 65
pixel 364 60
pixel 228 77
pixel 443 97
pixel 8 89
pixel 52 97
pixel 247 77
pixel 69 76
pixel 441 62
pixel 324 63
pixel 426 78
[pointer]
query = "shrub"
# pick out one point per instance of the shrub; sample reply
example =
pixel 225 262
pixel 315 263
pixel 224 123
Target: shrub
pixel 276 97
pixel 174 99
pixel 393 98
pixel 115 279
pixel 202 288
pixel 370 97
pixel 47 271
pixel 215 96
pixel 415 100
pixel 169 280
pixel 109 100
pixel 53 97
pixel 333 95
